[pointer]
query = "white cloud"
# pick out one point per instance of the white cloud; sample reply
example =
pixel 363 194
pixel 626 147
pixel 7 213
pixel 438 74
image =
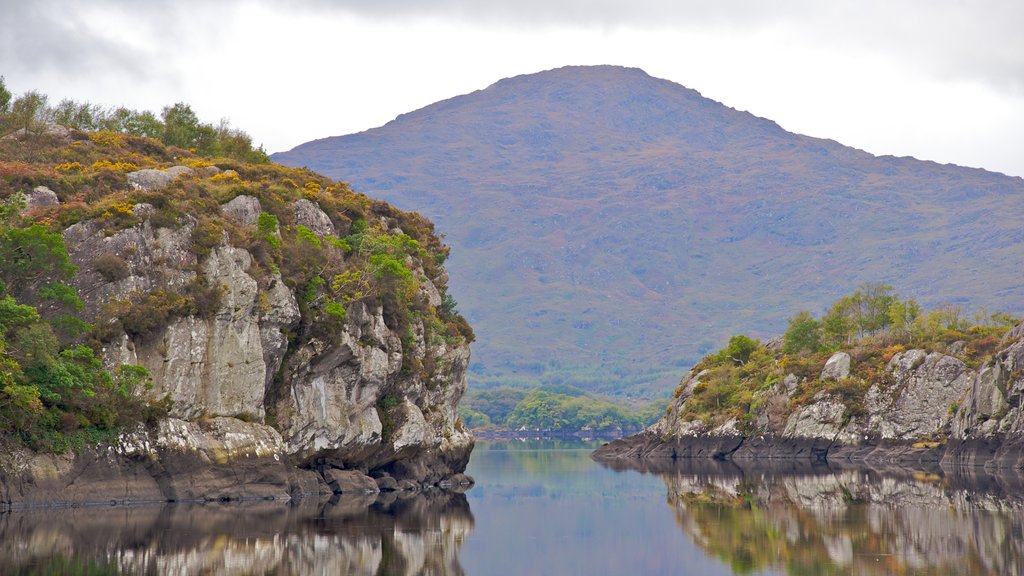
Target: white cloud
pixel 938 80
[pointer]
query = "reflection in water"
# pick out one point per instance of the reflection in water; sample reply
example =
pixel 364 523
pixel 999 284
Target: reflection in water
pixel 547 508
pixel 814 520
pixel 421 534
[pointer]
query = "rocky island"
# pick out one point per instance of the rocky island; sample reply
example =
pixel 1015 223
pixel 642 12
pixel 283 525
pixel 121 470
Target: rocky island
pixel 180 325
pixel 875 380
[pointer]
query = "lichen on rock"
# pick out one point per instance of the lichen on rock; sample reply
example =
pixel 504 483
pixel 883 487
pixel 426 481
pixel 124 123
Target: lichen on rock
pixel 284 321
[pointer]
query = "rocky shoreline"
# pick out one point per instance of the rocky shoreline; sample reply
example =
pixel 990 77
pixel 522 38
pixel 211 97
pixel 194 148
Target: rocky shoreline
pixel 927 407
pixel 989 454
pixel 221 459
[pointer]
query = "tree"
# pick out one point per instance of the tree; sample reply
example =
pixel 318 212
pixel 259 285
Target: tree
pixel 78 115
pixel 133 122
pixel 181 126
pixel 31 258
pixel 803 334
pixel 871 306
pixel 28 110
pixel 902 315
pixel 739 349
pixel 5 97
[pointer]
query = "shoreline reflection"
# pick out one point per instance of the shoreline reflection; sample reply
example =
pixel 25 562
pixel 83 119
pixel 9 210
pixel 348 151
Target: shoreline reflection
pixel 804 518
pixel 387 534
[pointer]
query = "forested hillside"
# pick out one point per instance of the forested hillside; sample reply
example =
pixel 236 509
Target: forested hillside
pixel 610 228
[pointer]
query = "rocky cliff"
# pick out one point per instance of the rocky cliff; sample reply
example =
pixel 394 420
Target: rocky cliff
pixel 297 337
pixel 946 404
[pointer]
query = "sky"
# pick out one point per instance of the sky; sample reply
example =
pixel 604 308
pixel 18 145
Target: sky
pixel 939 80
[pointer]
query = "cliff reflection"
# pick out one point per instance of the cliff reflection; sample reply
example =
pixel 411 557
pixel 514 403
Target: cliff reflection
pixel 421 534
pixel 820 520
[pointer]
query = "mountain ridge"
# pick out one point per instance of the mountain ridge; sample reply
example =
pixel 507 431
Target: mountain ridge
pixel 608 227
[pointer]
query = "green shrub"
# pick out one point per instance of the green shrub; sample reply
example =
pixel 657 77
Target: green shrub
pixel 739 350
pixel 150 314
pixel 207 235
pixel 111 267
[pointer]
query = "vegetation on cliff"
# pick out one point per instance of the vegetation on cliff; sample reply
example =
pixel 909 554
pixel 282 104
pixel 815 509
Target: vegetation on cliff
pixel 55 390
pixel 873 325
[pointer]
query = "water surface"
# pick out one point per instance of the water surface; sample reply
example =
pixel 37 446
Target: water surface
pixel 544 507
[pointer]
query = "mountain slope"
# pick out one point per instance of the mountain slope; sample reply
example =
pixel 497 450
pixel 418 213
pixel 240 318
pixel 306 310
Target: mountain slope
pixel 608 227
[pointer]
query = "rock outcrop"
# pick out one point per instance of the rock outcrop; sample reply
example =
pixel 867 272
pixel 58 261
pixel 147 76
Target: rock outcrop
pixel 151 179
pixel 924 407
pixel 257 407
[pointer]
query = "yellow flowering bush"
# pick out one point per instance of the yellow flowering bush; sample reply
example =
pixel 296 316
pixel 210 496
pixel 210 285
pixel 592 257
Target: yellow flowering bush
pixel 113 166
pixel 106 138
pixel 229 176
pixel 68 167
pixel 118 216
pixel 123 208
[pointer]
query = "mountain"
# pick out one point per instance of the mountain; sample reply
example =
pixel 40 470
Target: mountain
pixel 609 228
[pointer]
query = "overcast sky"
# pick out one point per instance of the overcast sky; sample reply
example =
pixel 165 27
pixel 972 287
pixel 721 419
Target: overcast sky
pixel 940 80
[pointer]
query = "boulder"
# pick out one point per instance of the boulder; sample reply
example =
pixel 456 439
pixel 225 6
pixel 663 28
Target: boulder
pixel 207 171
pixel 350 482
pixel 242 209
pixel 45 128
pixel 149 180
pixel 178 171
pixel 387 484
pixel 40 197
pixel 837 367
pixel 310 215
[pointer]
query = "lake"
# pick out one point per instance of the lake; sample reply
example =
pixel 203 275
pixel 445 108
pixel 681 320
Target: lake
pixel 544 507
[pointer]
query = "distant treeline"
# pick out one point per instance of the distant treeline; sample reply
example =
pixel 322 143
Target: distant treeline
pixel 177 125
pixel 559 408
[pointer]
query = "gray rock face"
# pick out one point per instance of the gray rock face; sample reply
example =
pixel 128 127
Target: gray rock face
pixel 350 482
pixel 837 367
pixel 150 180
pixel 918 402
pixel 928 407
pixel 1016 334
pixel 340 403
pixel 311 216
pixel 155 259
pixel 217 459
pixel 243 209
pixel 348 402
pixel 217 366
pixel 40 197
pixel 991 409
pixel 822 419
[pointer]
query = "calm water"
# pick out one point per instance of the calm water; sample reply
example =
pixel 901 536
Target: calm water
pixel 543 507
